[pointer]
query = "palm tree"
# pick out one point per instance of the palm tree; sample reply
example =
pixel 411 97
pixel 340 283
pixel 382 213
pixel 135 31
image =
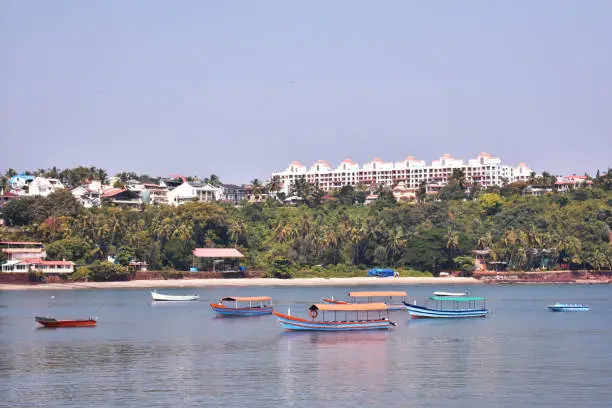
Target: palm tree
pixel 452 241
pixel 237 231
pixel 274 184
pixel 257 187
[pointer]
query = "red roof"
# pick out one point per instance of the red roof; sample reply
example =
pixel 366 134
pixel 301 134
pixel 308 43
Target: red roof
pixel 9 194
pixel 41 262
pixel 217 253
pixel 112 192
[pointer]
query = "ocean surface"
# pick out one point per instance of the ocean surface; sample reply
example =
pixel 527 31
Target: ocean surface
pixel 179 354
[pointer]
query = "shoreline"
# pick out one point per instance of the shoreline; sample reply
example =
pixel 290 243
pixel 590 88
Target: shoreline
pixel 248 282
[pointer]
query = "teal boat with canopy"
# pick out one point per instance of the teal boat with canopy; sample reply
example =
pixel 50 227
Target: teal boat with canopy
pixel 449 307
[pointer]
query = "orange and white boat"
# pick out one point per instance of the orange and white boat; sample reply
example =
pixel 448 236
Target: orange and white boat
pixel 51 322
pixel 349 317
pixel 243 306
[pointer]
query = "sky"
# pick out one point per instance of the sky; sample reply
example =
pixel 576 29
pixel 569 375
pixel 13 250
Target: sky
pixel 242 88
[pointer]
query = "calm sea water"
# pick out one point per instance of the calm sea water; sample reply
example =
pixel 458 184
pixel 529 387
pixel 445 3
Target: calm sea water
pixel 159 355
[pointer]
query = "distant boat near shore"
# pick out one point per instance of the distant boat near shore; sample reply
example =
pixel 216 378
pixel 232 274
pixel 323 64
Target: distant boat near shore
pixel 456 294
pixel 568 307
pixel 173 298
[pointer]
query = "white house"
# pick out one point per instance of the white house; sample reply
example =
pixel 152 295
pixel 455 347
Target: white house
pixel 38 265
pixel 187 192
pixel 42 186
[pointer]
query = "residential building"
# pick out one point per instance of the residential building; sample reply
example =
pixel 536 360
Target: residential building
pixel 42 186
pixel 20 181
pixel 121 196
pixel 566 183
pixel 19 250
pixel 484 170
pixel 89 195
pixel 38 265
pixel 150 193
pixel 194 191
pixel 24 257
pixel 233 194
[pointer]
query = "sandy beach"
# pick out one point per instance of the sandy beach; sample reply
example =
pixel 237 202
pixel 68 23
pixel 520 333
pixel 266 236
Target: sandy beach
pixel 204 283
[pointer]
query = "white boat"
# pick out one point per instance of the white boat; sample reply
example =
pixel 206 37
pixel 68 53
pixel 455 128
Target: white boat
pixel 568 307
pixel 454 294
pixel 169 298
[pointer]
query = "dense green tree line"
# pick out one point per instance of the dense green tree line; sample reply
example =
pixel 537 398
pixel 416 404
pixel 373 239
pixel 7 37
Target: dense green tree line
pixel 525 232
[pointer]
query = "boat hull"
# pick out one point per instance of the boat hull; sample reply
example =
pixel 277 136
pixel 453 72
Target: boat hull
pixel 424 312
pixel 450 294
pixel 568 308
pixel 292 323
pixel 334 302
pixel 173 298
pixel 47 322
pixel 222 310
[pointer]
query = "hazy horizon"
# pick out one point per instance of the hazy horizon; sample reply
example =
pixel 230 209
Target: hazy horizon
pixel 242 89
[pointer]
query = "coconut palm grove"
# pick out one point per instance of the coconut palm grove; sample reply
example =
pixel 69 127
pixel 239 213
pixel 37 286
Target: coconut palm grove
pixel 335 235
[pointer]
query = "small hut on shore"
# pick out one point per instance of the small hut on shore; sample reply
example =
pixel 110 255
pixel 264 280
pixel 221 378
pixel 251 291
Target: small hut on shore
pixel 216 259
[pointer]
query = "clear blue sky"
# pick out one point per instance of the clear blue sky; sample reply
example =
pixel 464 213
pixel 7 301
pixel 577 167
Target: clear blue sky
pixel 242 88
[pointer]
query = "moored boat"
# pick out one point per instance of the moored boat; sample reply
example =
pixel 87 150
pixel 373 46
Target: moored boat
pixel 386 296
pixel 449 307
pixel 454 294
pixel 568 307
pixel 257 306
pixel 52 322
pixel 173 298
pixel 333 301
pixel 365 316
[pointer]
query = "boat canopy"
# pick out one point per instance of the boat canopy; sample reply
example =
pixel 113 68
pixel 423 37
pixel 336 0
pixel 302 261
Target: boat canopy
pixel 351 307
pixel 377 294
pixel 246 299
pixel 456 298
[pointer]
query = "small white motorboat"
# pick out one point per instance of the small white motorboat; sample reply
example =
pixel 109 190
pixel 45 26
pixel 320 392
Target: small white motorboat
pixel 568 307
pixel 171 298
pixel 453 294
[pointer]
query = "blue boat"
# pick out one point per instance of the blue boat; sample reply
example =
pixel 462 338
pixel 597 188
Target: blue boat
pixel 449 307
pixel 257 306
pixel 348 317
pixel 568 307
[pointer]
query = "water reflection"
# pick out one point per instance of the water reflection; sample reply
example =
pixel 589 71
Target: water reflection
pixel 142 354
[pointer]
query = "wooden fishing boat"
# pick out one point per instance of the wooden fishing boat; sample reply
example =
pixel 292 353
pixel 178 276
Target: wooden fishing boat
pixel 449 307
pixel 257 306
pixel 387 297
pixel 372 297
pixel 454 294
pixel 365 316
pixel 51 322
pixel 173 298
pixel 568 307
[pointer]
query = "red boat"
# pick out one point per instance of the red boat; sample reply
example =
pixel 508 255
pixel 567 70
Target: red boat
pixel 51 322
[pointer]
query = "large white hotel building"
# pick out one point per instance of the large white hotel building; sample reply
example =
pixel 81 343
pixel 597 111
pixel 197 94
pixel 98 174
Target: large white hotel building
pixel 484 170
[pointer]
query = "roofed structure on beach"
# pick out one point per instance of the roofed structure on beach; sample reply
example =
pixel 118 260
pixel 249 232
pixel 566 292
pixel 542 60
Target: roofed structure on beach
pixel 217 253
